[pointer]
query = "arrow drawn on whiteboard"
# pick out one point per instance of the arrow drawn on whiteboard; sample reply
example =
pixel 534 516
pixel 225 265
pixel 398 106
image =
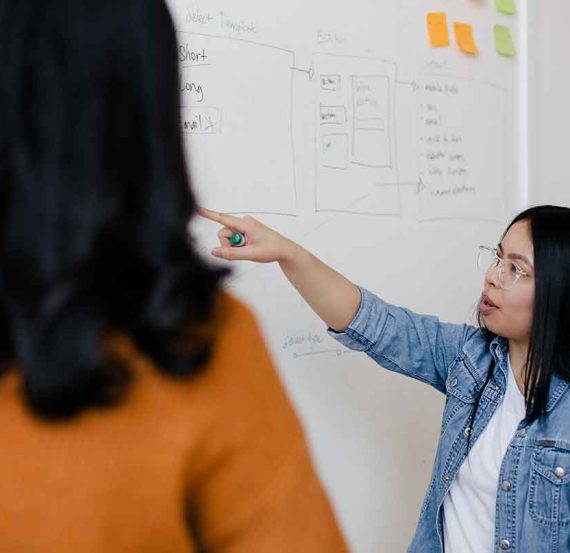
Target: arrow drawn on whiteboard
pixel 310 72
pixel 414 84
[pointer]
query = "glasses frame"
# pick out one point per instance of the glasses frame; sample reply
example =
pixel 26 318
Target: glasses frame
pixel 501 265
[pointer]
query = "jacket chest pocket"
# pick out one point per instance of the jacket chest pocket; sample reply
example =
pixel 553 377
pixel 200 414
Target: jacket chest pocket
pixel 549 491
pixel 460 382
pixel 461 392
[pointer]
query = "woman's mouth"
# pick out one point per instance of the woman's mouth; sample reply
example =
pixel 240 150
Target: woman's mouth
pixel 486 306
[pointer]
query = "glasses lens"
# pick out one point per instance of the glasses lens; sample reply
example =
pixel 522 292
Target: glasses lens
pixel 508 275
pixel 486 259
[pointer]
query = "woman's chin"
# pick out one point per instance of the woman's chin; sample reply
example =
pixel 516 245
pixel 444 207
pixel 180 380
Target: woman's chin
pixel 492 326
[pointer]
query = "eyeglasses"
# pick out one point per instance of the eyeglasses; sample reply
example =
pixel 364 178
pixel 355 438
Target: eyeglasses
pixel 509 272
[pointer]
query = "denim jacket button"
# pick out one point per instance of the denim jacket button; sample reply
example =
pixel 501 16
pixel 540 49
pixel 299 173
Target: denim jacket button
pixel 559 471
pixel 506 486
pixel 505 544
pixel 453 382
pixel 467 432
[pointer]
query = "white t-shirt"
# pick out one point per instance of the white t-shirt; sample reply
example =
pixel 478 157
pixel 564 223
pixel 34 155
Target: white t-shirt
pixel 469 507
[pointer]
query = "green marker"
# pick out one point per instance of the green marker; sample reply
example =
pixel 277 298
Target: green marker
pixel 237 240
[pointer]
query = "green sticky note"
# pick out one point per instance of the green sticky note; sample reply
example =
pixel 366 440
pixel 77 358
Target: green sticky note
pixel 504 41
pixel 506 6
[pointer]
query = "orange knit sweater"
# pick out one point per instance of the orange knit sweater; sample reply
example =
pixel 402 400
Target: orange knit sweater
pixel 214 463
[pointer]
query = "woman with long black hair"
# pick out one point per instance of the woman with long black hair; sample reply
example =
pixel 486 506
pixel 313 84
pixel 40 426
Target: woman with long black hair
pixel 139 408
pixel 501 479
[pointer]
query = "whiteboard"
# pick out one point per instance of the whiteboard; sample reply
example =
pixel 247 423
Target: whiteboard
pixel 336 124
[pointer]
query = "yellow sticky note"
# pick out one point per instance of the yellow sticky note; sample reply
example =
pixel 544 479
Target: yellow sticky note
pixel 437 29
pixel 506 6
pixel 504 41
pixel 464 37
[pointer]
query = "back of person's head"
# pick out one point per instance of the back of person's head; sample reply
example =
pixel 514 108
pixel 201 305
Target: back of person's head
pixel 95 201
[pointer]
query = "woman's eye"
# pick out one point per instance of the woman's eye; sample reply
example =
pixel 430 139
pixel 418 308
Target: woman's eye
pixel 513 268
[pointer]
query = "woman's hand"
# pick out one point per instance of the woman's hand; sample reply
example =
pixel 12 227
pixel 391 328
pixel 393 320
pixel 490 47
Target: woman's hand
pixel 262 244
pixel 333 297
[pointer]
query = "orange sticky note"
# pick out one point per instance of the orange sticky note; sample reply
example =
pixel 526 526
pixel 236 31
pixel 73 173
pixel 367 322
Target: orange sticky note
pixel 437 30
pixel 464 37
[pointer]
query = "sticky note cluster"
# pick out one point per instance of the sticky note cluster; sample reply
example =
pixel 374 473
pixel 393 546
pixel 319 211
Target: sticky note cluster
pixel 438 32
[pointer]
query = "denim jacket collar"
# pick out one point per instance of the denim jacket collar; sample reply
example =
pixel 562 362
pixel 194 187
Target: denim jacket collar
pixel 500 351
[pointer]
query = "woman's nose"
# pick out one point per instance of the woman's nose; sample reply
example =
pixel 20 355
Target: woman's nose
pixel 492 276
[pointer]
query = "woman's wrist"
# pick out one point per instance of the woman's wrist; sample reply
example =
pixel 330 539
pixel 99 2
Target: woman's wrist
pixel 292 252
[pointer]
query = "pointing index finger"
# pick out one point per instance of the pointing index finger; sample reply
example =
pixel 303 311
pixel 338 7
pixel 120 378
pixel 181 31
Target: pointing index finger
pixel 226 220
pixel 209 214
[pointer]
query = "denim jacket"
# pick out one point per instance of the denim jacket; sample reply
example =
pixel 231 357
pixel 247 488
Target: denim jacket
pixel 533 490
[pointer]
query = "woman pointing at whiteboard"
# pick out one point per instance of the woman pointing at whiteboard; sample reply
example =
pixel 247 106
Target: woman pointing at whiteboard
pixel 501 478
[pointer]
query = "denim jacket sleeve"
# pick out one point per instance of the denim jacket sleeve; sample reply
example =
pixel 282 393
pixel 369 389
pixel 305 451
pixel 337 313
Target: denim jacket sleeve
pixel 400 340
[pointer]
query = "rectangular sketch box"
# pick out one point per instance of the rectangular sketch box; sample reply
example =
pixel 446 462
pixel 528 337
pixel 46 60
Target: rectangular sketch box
pixel 201 120
pixel 371 96
pixel 366 181
pixel 464 158
pixel 335 151
pixel 371 104
pixel 333 115
pixel 330 83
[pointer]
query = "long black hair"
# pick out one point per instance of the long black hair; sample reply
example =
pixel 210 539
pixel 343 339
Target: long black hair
pixel 94 201
pixel 549 343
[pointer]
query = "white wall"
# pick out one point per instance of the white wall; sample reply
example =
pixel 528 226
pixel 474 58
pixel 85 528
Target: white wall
pixel 549 101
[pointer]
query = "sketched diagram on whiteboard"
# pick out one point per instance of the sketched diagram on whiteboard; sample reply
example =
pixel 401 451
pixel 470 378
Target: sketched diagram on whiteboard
pixel 355 136
pixel 237 110
pixel 462 148
pixel 237 121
